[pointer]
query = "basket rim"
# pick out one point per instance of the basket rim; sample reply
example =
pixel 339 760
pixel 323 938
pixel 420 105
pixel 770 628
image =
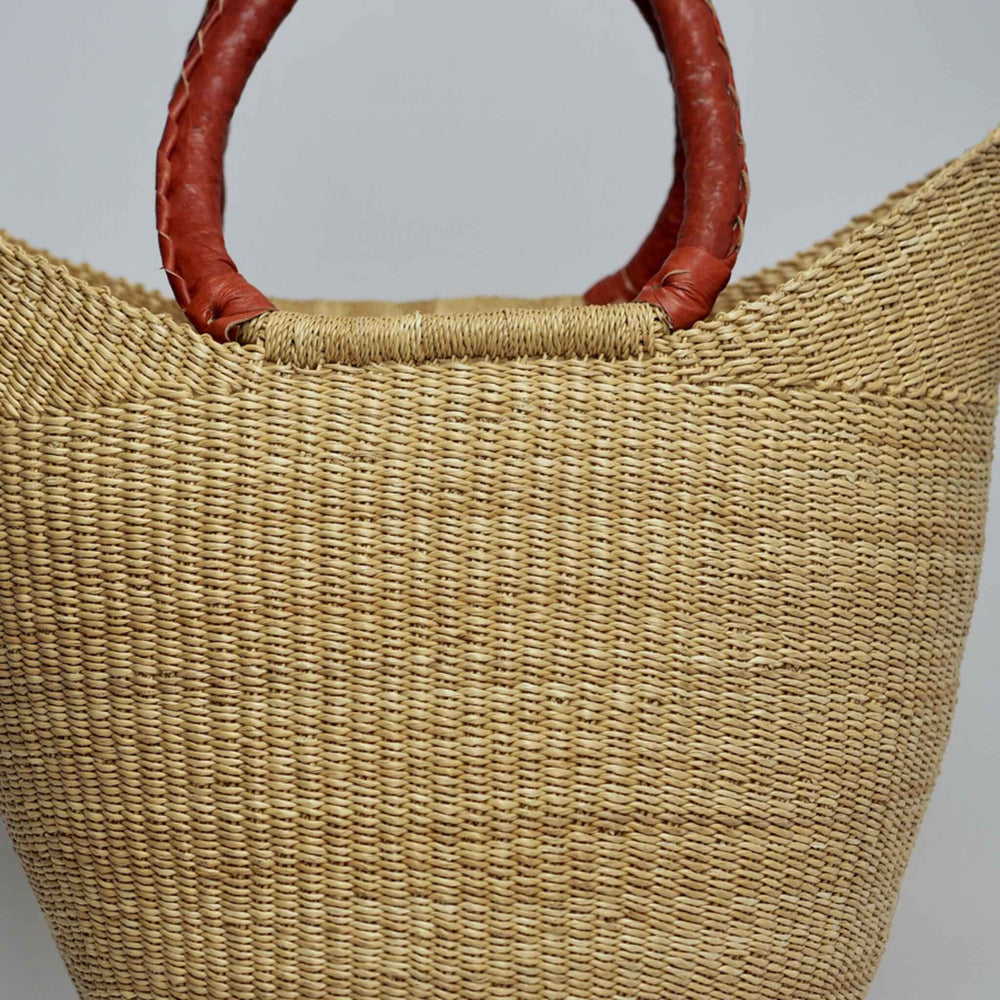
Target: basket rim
pixel 654 339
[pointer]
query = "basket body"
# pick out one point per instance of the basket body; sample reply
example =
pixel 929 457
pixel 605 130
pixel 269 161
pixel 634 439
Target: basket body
pixel 552 678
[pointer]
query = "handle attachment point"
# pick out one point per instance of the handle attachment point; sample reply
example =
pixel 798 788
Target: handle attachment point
pixel 698 231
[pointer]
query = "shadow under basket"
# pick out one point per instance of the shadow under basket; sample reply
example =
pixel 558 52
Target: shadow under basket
pixel 486 649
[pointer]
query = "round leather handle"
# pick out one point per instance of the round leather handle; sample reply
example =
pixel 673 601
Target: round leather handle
pixel 625 284
pixel 711 187
pixel 683 265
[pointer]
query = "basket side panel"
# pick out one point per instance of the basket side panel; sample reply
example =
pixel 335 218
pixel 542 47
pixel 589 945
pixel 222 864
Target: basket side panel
pixel 569 682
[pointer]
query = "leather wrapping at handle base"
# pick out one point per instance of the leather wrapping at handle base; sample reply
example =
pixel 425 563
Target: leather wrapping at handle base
pixel 190 181
pixel 715 174
pixel 624 285
pixel 688 285
pixel 707 205
pixel 704 211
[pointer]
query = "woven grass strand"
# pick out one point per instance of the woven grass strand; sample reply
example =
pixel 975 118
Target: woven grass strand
pixel 555 677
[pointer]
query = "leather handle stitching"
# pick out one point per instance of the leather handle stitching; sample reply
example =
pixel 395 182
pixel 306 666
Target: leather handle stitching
pixel 739 223
pixel 174 114
pixel 186 294
pixel 703 262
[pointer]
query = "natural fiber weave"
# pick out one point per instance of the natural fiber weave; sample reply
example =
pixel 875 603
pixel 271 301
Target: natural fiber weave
pixel 562 678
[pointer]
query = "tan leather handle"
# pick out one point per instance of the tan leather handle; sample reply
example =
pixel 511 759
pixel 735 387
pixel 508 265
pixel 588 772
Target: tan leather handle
pixel 698 232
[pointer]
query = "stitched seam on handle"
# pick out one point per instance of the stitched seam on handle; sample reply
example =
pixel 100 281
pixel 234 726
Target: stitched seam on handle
pixel 180 101
pixel 178 105
pixel 739 222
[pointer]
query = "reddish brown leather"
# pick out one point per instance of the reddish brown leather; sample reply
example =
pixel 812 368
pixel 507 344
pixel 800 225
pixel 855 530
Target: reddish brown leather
pixel 704 212
pixel 189 189
pixel 625 284
pixel 688 290
pixel 715 175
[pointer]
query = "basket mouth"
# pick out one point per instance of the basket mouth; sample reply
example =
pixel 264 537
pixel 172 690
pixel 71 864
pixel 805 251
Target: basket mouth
pixel 307 333
pixel 311 334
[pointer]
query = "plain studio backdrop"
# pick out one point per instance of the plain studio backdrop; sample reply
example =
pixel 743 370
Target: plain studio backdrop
pixel 410 148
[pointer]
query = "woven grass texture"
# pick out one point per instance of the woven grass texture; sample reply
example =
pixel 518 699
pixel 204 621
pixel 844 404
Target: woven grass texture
pixel 532 652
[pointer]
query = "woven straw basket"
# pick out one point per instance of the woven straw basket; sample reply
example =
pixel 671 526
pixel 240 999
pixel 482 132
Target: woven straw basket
pixel 488 649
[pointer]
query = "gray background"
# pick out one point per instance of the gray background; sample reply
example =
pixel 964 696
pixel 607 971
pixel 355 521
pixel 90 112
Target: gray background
pixel 404 148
